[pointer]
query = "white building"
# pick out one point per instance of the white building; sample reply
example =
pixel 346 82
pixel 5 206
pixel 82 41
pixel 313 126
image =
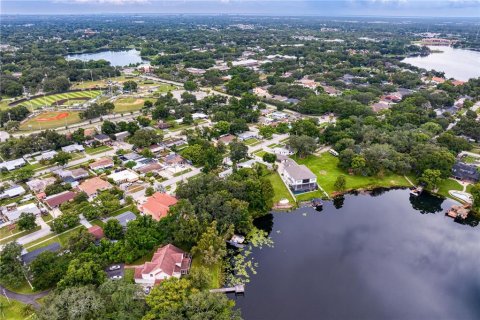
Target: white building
pixel 12 192
pixel 123 176
pixel 13 164
pixel 298 177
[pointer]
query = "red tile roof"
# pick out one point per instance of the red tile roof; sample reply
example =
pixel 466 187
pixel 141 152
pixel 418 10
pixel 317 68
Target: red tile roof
pixel 168 259
pixel 96 231
pixel 158 205
pixel 58 199
pixel 93 185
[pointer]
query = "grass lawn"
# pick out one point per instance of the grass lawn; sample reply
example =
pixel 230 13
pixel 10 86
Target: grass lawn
pixel 260 153
pixel 12 310
pixel 182 172
pixel 24 288
pixel 128 275
pixel 97 83
pixel 215 271
pixel 45 241
pixel 129 104
pixel 15 235
pixel 470 159
pixel 326 170
pixel 50 120
pixel 165 87
pixel 447 185
pixel 90 150
pixel 51 99
pixel 251 142
pixel 279 188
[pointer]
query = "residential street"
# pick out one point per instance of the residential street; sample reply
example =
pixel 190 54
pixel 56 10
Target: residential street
pixel 24 298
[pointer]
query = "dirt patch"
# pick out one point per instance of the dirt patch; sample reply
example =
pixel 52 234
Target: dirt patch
pixel 137 101
pixel 59 116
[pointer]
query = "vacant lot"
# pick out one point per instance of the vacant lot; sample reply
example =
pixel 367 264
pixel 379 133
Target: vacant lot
pixel 128 104
pixel 326 170
pixel 50 119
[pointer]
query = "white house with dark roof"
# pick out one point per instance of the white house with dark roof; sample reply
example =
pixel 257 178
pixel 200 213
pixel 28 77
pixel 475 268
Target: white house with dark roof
pixel 298 177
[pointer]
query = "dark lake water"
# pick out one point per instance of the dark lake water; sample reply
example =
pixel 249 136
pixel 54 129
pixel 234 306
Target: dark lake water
pixel 116 58
pixel 382 257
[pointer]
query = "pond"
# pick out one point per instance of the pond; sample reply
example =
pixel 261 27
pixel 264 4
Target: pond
pixel 392 256
pixel 459 64
pixel 116 58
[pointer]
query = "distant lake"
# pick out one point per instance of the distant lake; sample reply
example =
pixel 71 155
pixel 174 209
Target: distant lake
pixel 116 58
pixel 392 256
pixel 456 63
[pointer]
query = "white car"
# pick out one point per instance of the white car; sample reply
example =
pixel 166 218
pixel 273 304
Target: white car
pixel 116 277
pixel 115 267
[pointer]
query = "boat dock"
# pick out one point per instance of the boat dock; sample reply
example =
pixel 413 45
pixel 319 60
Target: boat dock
pixel 238 289
pixel 459 212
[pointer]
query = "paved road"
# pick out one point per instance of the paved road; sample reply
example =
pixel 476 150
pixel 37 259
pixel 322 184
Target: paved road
pixel 24 298
pixel 185 176
pixel 44 231
pixel 84 222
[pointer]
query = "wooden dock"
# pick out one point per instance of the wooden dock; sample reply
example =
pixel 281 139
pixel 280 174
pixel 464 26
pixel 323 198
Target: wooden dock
pixel 238 289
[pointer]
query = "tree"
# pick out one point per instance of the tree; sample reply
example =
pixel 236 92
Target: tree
pixel 72 304
pixel 109 127
pixel 27 221
pixel 431 178
pixel 130 85
pixel 47 269
pixel 267 131
pixel 305 127
pixel 82 273
pixel 238 151
pixel 269 157
pixel 11 268
pixel 23 174
pixel 167 299
pixel 190 85
pixel 80 240
pixel 62 158
pixel 207 305
pixel 211 246
pixel 303 145
pixel 187 119
pixel 149 191
pixel 475 192
pixel 340 183
pixel 221 127
pixel 107 202
pixel 113 230
pixel 144 138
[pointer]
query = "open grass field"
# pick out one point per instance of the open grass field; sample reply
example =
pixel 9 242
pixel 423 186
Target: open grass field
pixel 165 87
pixel 98 83
pixel 447 185
pixel 45 241
pixel 50 120
pixel 215 271
pixel 55 98
pixel 12 310
pixel 279 188
pixel 326 170
pixel 129 104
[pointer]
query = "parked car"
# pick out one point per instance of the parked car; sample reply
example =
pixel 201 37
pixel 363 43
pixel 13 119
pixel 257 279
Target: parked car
pixel 115 267
pixel 116 277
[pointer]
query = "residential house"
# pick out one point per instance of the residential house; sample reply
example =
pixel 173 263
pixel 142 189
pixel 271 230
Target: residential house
pixel 28 257
pixel 195 71
pixel 298 177
pixel 93 186
pixel 39 185
pixel 226 139
pixel 102 138
pixel 124 218
pixel 168 261
pixel 12 212
pixel 282 151
pixel 97 232
pixel 54 201
pixel 199 116
pixel 73 148
pixel 101 164
pixel 158 205
pixel 121 136
pixel 13 164
pixel 465 172
pixel 247 135
pixel 123 176
pixel 151 167
pixel 47 155
pixel 163 125
pixel 174 159
pixel 78 174
pixel 12 192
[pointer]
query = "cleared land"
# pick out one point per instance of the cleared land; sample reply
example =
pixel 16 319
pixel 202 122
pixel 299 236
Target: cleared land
pixel 279 188
pixel 50 119
pixel 326 170
pixel 56 98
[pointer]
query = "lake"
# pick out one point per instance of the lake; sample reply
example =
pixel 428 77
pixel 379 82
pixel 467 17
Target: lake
pixel 391 256
pixel 116 58
pixel 456 63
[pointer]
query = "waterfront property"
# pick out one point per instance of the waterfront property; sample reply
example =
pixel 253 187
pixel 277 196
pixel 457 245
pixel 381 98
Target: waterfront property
pixel 297 177
pixel 168 261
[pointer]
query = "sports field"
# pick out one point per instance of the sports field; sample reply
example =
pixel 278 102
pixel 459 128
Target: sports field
pixel 50 120
pixel 66 98
pixel 129 104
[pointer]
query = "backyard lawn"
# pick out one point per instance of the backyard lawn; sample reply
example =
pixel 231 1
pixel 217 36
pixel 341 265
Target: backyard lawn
pixel 215 271
pixel 90 150
pixel 279 188
pixel 326 170
pixel 251 142
pixel 447 185
pixel 12 310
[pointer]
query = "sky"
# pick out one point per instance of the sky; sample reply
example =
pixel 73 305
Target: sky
pixel 410 8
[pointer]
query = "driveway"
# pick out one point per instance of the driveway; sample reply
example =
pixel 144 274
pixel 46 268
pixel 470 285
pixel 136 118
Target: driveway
pixel 24 298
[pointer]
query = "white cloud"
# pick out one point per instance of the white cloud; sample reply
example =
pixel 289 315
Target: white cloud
pixel 120 2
